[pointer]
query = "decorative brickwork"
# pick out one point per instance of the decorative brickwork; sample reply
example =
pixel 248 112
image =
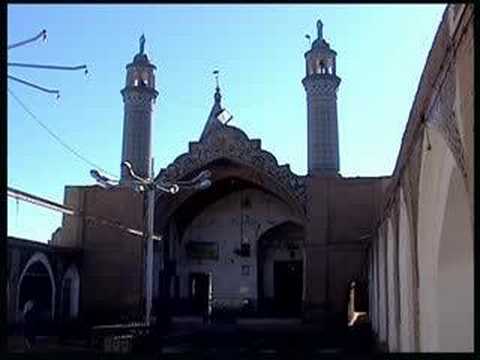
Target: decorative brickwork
pixel 321 85
pixel 141 98
pixel 232 143
pixel 442 118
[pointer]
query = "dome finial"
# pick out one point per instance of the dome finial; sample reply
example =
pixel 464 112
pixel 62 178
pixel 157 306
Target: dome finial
pixel 218 96
pixel 142 44
pixel 319 29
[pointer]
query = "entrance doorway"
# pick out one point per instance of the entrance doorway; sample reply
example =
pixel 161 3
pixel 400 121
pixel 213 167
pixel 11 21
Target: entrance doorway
pixel 288 285
pixel 36 285
pixel 200 292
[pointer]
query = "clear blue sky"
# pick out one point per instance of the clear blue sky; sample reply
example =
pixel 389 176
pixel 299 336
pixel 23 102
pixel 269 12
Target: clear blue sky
pixel 259 51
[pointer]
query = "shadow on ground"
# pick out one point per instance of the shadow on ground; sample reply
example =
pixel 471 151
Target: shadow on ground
pixel 230 341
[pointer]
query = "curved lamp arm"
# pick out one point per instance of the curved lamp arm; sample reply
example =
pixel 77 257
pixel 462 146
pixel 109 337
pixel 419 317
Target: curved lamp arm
pixel 169 188
pixel 129 167
pixel 204 175
pixel 103 181
pixel 199 182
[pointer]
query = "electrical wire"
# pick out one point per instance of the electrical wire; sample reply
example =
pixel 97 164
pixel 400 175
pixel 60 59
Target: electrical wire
pixel 16 213
pixel 49 67
pixel 42 34
pixel 48 204
pixel 56 137
pixel 41 88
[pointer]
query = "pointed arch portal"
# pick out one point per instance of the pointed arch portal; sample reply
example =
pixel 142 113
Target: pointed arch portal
pixel 37 283
pixel 227 220
pixel 280 261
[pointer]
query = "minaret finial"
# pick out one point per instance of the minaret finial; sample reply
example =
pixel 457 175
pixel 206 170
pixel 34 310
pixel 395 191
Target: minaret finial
pixel 319 29
pixel 217 96
pixel 142 44
pixel 215 72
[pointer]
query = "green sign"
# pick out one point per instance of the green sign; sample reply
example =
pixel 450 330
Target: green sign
pixel 202 250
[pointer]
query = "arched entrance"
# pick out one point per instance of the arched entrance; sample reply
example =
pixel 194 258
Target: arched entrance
pixel 70 293
pixel 216 232
pixel 37 283
pixel 280 259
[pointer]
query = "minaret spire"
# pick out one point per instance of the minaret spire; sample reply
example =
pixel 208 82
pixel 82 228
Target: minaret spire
pixel 142 44
pixel 319 29
pixel 139 96
pixel 321 83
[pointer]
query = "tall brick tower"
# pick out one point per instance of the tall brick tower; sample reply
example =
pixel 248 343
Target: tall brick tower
pixel 139 97
pixel 321 84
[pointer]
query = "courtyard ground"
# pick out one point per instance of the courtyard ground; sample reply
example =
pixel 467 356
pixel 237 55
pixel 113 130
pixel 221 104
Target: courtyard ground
pixel 240 339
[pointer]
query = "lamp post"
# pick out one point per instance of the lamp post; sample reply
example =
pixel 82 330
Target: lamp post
pixel 149 186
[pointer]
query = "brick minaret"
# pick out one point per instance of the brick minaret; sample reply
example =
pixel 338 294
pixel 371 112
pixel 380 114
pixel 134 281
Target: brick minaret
pixel 139 96
pixel 321 84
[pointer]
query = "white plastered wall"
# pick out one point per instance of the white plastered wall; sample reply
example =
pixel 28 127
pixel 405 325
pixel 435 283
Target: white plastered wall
pixel 454 290
pixel 371 288
pixel 376 293
pixel 406 279
pixel 221 222
pixel 383 321
pixel 434 177
pixel 392 300
pixel 446 276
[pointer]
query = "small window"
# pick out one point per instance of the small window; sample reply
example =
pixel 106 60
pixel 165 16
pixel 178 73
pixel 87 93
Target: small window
pixel 245 270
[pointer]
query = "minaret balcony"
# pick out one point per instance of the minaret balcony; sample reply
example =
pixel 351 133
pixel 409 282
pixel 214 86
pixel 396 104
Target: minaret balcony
pixel 321 84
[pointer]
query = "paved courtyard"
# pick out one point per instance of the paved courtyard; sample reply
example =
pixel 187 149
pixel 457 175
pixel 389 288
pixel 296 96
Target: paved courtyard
pixel 240 339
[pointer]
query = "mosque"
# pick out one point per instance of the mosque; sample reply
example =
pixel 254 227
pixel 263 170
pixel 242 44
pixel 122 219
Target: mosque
pixel 262 241
pixel 286 245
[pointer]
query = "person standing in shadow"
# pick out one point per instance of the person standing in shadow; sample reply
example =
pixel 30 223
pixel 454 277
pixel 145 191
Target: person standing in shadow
pixel 29 315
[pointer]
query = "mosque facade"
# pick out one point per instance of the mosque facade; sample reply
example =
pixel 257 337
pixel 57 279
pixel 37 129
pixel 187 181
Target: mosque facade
pixel 262 241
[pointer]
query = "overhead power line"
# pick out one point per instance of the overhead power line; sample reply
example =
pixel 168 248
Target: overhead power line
pixel 48 204
pixel 36 200
pixel 56 137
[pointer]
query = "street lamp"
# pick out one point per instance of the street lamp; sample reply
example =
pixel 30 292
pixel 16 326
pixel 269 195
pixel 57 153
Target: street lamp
pixel 148 186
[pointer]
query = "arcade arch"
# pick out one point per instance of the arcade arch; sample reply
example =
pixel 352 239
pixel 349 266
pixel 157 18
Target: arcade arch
pixel 445 250
pixel 37 283
pixel 454 287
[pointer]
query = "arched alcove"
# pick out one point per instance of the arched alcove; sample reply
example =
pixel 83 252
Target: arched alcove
pixel 216 232
pixel 406 263
pixel 454 286
pixel 383 284
pixel 37 283
pixel 280 274
pixel 392 297
pixel 445 252
pixel 70 293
